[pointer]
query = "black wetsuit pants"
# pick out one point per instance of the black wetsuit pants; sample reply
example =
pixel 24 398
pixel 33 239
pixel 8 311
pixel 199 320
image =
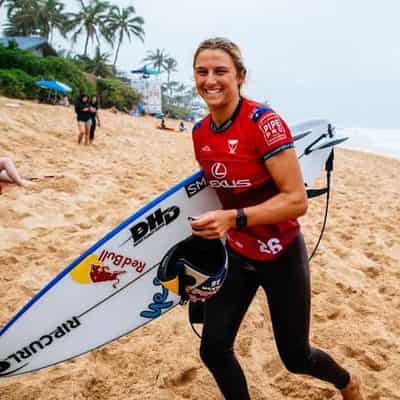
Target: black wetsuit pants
pixel 286 282
pixel 92 129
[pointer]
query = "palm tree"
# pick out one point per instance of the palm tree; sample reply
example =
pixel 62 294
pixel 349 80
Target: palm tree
pixel 157 58
pixel 27 17
pixel 22 17
pixel 99 65
pixel 51 16
pixel 122 22
pixel 91 20
pixel 170 65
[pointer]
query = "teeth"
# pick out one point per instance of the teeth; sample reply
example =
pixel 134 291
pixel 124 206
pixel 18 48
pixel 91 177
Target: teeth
pixel 215 91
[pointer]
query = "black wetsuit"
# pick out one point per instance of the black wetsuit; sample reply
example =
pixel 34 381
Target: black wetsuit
pixel 93 126
pixel 81 115
pixel 286 282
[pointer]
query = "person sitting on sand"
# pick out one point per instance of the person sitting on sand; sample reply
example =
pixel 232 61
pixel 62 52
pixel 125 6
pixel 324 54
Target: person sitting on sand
pixel 181 127
pixel 163 125
pixel 9 173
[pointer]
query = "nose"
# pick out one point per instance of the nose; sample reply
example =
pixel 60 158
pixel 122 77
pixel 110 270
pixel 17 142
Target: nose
pixel 210 78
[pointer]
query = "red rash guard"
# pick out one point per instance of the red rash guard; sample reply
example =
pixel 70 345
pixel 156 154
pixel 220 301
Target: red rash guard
pixel 232 157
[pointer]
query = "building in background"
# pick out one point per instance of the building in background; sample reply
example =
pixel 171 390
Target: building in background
pixel 147 82
pixel 37 45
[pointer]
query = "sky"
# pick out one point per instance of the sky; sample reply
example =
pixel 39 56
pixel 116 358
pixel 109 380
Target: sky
pixel 337 59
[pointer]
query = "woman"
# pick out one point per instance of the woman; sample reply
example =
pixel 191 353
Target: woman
pixel 84 117
pixel 95 117
pixel 247 154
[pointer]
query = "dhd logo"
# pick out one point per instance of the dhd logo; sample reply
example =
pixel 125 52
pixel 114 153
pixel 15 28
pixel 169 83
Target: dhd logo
pixel 153 223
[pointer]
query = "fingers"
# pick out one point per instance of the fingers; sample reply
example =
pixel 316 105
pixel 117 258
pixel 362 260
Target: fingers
pixel 207 234
pixel 209 225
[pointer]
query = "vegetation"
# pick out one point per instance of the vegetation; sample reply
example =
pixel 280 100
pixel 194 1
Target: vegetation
pixel 30 17
pixel 123 23
pixel 96 22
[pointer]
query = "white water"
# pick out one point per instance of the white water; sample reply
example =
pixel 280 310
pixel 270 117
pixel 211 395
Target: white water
pixel 379 141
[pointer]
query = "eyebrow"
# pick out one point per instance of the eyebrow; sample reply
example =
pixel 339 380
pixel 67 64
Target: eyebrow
pixel 200 67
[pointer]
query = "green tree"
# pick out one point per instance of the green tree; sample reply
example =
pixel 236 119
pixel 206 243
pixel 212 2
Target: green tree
pixel 156 58
pixel 99 65
pixel 170 65
pixel 123 23
pixel 90 20
pixel 23 19
pixel 51 18
pixel 27 17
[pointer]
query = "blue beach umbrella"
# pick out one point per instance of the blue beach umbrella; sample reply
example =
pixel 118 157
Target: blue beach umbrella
pixel 54 85
pixel 145 71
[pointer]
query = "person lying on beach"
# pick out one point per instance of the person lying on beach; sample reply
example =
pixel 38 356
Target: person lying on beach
pixel 9 173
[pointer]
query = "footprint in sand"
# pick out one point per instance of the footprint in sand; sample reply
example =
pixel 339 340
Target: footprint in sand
pixel 186 376
pixel 374 361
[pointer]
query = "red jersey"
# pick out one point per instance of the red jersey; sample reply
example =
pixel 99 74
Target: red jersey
pixel 232 157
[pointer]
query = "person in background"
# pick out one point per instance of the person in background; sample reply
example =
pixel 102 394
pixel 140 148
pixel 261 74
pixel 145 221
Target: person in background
pixel 64 101
pixel 181 127
pixel 247 154
pixel 9 173
pixel 84 117
pixel 94 111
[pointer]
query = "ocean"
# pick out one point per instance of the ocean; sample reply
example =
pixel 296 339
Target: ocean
pixel 379 141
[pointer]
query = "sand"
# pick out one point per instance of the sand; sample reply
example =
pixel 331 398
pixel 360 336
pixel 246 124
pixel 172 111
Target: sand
pixel 355 273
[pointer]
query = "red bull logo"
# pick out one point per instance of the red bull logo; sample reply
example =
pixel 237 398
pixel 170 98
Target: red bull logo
pixel 108 267
pixel 98 273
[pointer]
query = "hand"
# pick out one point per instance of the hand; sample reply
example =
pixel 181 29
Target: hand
pixel 197 294
pixel 214 224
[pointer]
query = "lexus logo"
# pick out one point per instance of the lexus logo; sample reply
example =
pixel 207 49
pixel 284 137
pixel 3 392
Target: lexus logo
pixel 218 170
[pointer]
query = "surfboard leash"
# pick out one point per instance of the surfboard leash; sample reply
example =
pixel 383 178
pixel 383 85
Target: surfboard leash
pixel 318 192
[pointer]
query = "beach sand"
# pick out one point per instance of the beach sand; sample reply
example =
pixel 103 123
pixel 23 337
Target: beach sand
pixel 355 273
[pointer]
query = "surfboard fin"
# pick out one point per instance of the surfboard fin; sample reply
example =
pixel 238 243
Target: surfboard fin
pixel 330 143
pixel 302 135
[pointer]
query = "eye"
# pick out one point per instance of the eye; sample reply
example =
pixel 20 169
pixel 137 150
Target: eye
pixel 201 72
pixel 221 71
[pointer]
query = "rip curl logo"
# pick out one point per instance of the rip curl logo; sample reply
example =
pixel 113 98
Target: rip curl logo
pixel 159 302
pixel 17 360
pixel 218 170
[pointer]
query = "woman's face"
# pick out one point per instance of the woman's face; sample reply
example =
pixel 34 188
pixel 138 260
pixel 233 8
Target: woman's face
pixel 216 78
pixel 94 100
pixel 84 99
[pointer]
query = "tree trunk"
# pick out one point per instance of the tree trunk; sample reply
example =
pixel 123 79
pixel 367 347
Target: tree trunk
pixel 86 45
pixel 117 52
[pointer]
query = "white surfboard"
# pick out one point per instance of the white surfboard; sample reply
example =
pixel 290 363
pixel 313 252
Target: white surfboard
pixel 112 288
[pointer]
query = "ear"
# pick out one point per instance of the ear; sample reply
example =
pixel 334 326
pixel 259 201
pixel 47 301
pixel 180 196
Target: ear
pixel 241 77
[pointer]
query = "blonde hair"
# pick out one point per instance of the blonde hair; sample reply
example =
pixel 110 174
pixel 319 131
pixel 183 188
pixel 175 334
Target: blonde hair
pixel 228 47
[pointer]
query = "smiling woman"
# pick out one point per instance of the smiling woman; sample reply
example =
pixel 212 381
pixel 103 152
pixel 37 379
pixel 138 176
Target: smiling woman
pixel 247 153
pixel 219 75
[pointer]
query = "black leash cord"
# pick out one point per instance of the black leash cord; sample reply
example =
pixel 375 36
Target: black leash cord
pixel 328 177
